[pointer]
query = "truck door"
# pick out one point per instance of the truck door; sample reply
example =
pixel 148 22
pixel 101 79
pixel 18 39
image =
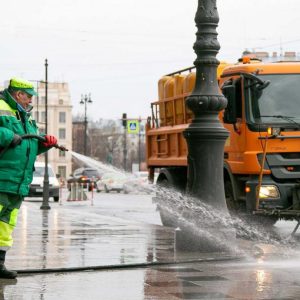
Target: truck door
pixel 234 121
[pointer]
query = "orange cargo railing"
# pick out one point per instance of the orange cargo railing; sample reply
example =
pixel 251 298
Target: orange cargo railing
pixel 171 111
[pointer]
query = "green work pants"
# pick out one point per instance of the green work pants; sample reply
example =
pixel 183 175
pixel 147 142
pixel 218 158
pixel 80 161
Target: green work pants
pixel 9 208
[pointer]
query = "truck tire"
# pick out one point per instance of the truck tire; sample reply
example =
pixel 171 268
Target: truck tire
pixel 232 205
pixel 169 178
pixel 166 218
pixel 175 177
pixel 56 198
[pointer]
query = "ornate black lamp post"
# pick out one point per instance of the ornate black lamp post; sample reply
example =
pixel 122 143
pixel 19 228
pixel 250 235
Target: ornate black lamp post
pixel 45 204
pixel 84 100
pixel 205 138
pixel 206 135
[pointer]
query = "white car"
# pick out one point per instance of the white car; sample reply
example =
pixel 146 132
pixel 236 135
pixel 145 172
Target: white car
pixel 138 182
pixel 112 181
pixel 36 186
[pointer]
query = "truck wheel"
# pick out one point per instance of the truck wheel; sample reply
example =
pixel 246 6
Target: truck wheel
pixel 232 205
pixel 164 183
pixel 56 199
pixel 166 219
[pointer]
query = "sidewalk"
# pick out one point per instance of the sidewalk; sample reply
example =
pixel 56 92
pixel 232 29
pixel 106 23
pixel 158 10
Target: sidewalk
pixel 78 235
pixel 122 235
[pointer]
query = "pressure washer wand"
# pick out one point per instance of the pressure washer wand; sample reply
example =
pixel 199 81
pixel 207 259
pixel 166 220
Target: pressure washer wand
pixel 34 136
pixel 42 139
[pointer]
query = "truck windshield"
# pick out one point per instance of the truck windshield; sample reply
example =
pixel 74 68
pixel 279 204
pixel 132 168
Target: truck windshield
pixel 279 103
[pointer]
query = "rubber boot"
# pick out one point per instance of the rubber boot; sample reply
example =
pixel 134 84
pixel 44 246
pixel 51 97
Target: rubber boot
pixel 4 273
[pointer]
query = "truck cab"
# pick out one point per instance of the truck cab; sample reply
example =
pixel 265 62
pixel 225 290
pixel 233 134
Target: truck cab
pixel 262 152
pixel 263 118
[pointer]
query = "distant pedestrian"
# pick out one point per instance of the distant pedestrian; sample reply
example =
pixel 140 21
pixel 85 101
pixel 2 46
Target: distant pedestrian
pixel 17 157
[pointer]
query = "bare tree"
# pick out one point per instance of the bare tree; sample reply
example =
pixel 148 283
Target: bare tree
pixel 105 142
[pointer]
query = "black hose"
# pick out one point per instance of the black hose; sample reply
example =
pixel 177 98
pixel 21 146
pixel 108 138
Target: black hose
pixel 42 139
pixel 33 136
pixel 124 266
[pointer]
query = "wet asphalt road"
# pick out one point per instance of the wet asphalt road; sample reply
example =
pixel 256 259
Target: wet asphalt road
pixel 126 230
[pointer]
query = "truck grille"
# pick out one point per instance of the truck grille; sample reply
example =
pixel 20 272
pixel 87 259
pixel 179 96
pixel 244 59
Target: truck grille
pixel 284 165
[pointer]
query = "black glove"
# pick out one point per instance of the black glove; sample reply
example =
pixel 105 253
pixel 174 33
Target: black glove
pixel 17 140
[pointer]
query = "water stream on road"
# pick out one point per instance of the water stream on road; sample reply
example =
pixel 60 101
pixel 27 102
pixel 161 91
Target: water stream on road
pixel 201 219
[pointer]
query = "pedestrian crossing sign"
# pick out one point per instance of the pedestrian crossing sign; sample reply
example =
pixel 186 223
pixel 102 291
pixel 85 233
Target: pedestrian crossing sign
pixel 133 126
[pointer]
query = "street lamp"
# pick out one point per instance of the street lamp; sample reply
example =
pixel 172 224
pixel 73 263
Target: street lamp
pixel 45 204
pixel 84 100
pixel 206 135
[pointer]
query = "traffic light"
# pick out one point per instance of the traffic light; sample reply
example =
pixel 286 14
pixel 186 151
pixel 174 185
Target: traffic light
pixel 124 120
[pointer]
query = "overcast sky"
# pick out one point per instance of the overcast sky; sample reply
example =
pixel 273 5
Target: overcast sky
pixel 118 49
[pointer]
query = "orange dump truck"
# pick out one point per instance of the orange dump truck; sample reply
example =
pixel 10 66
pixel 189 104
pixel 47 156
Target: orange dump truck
pixel 263 119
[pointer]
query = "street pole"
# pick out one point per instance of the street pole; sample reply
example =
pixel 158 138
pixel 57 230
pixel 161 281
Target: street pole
pixel 206 138
pixel 124 123
pixel 206 135
pixel 45 204
pixel 85 128
pixel 37 102
pixel 139 144
pixel 125 149
pixel 84 100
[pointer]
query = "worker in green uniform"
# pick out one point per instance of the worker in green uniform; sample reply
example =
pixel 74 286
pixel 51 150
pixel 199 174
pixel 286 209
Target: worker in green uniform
pixel 17 157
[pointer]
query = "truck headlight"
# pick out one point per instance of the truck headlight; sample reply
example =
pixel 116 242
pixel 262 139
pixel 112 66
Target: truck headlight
pixel 268 191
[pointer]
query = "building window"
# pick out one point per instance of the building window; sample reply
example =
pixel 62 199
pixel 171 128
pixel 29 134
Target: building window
pixel 42 130
pixel 36 116
pixel 62 171
pixel 62 133
pixel 62 117
pixel 60 101
pixel 62 153
pixel 43 117
pixel 42 100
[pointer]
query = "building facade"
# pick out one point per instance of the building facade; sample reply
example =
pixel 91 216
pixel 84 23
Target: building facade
pixel 78 132
pixel 59 123
pixel 274 56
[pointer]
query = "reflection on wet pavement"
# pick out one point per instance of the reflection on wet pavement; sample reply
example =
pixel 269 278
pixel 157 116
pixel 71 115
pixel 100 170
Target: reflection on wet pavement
pixel 223 280
pixel 114 232
pixel 77 235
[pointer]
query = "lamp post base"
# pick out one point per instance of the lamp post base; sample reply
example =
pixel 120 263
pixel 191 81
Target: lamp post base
pixel 45 207
pixel 206 239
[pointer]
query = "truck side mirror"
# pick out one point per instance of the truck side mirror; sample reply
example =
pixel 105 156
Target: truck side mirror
pixel 230 112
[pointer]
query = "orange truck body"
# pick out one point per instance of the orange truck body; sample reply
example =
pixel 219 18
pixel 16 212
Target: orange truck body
pixel 248 135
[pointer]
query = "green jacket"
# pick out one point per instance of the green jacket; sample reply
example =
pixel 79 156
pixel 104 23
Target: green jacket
pixel 16 164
